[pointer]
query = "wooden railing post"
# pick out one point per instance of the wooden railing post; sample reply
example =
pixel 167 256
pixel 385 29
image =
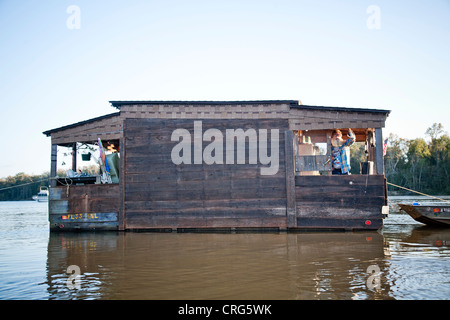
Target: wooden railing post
pixel 290 179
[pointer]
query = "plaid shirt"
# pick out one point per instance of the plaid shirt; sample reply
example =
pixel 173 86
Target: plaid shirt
pixel 341 155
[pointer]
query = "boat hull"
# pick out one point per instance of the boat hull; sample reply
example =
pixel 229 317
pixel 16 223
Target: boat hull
pixel 433 215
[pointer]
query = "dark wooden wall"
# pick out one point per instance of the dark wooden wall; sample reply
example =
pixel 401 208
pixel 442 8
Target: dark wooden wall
pixel 89 198
pixel 345 202
pixel 80 201
pixel 159 194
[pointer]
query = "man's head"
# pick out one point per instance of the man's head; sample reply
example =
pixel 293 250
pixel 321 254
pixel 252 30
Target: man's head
pixel 336 138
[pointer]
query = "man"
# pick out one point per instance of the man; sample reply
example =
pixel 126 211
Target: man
pixel 340 152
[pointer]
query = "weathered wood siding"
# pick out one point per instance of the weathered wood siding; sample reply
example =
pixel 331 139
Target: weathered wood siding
pixel 308 118
pixel 161 194
pixel 340 201
pixel 213 110
pixel 108 127
pixel 91 206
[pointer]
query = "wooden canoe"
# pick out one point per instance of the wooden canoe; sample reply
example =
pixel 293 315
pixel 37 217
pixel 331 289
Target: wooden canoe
pixel 430 214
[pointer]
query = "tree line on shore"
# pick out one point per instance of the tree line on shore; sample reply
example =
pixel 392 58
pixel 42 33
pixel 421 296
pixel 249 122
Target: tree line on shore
pixel 419 164
pixel 23 186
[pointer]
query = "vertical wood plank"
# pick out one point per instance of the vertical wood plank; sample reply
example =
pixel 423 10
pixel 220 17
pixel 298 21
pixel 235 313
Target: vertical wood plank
pixel 379 150
pixel 53 164
pixel 74 157
pixel 122 184
pixel 290 179
pixel 329 162
pixel 122 176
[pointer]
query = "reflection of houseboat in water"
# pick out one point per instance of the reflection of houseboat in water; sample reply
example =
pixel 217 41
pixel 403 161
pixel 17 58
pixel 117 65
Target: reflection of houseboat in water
pixel 220 165
pixel 307 265
pixel 42 195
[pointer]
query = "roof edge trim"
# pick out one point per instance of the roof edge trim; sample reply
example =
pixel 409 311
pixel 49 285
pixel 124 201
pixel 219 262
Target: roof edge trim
pixel 118 104
pixel 106 116
pixel 344 109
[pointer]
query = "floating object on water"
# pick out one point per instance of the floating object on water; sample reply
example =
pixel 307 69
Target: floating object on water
pixel 431 214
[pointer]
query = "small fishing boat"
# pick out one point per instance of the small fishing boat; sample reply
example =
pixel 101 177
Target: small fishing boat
pixel 42 196
pixel 437 214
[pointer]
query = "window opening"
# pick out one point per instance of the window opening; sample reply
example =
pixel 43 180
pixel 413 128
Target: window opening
pixel 312 150
pixel 83 163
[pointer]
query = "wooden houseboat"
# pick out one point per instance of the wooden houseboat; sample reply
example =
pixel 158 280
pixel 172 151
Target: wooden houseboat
pixel 220 166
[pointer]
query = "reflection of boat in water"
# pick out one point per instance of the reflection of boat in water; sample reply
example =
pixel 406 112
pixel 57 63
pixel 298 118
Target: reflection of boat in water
pixel 42 196
pixel 427 237
pixel 435 214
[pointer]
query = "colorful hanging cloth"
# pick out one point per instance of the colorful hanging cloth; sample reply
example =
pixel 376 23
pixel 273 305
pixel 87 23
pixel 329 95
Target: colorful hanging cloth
pixel 103 155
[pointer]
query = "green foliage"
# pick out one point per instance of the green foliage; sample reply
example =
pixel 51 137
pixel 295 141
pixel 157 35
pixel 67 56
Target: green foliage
pixel 418 164
pixel 358 155
pixel 24 186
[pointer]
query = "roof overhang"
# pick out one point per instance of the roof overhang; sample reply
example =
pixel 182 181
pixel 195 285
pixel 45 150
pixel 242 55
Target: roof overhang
pixel 118 104
pixel 294 104
pixel 341 109
pixel 73 125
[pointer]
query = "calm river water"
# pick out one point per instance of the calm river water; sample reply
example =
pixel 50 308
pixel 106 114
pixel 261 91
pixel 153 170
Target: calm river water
pixel 404 261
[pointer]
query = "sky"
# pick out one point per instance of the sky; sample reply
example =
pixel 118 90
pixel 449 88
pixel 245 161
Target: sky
pixel 63 61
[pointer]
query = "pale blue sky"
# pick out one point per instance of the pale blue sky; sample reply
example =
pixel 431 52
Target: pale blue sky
pixel 319 52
